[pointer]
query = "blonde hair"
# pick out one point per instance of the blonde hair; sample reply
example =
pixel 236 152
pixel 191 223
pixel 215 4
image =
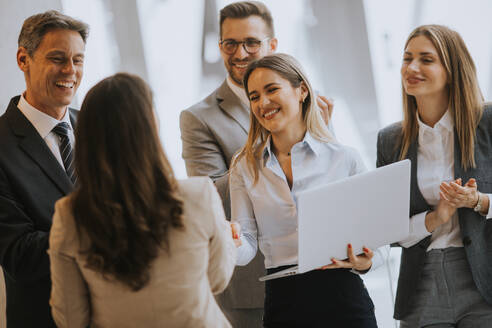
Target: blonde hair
pixel 465 97
pixel 288 68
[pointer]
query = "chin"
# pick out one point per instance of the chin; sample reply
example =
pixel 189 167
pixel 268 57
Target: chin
pixel 237 78
pixel 273 129
pixel 65 102
pixel 412 92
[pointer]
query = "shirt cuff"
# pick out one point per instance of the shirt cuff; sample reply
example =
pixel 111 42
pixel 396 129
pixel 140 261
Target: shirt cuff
pixel 245 252
pixel 417 225
pixel 361 272
pixel 380 257
pixel 417 230
pixel 489 214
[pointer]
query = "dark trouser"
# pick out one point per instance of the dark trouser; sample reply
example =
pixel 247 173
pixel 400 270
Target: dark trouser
pixel 244 318
pixel 319 298
pixel 447 295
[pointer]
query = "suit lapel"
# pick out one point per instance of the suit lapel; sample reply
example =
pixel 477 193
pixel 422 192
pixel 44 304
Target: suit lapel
pixel 35 147
pixel 231 104
pixel 73 116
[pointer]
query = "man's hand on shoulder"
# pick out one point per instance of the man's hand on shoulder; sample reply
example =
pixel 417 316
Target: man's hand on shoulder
pixel 326 106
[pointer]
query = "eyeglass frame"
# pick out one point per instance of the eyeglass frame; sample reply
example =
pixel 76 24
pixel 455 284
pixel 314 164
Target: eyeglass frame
pixel 243 44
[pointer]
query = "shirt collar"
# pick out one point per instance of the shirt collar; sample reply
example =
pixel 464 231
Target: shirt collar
pixel 267 151
pixel 42 122
pixel 315 145
pixel 445 122
pixel 238 91
pixel 308 141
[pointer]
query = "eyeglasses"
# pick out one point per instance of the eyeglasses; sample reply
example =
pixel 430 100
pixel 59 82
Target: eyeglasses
pixel 251 46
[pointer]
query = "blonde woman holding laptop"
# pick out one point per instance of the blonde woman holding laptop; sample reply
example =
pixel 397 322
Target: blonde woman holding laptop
pixel 290 149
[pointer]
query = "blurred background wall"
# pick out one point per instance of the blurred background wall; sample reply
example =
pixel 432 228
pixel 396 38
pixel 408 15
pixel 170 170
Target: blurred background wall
pixel 351 51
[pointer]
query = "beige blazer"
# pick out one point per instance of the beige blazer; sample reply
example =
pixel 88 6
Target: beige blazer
pixel 180 291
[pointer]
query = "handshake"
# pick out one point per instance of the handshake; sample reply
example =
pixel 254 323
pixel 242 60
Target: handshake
pixel 236 233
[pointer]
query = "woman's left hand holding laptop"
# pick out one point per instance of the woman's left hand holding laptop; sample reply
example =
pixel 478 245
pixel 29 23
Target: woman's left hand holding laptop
pixel 361 262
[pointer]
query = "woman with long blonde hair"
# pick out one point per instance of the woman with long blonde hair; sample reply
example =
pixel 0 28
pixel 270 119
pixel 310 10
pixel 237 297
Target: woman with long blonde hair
pixel 289 149
pixel 446 273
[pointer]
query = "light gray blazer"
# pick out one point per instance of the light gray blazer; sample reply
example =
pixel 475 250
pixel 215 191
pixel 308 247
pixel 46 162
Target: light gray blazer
pixel 476 231
pixel 212 131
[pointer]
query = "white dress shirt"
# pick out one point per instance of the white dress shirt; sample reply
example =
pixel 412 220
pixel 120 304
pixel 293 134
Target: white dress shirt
pixel 238 91
pixel 267 211
pixel 435 164
pixel 44 124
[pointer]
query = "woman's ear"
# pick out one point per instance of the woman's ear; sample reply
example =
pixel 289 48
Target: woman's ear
pixel 304 91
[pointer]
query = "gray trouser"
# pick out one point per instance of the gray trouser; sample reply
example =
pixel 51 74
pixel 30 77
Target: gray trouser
pixel 447 295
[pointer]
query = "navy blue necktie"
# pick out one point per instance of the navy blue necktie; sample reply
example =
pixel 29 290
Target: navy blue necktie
pixel 62 129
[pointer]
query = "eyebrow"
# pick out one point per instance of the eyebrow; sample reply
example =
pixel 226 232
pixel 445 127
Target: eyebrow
pixel 248 38
pixel 252 92
pixel 265 87
pixel 423 53
pixel 59 52
pixel 269 85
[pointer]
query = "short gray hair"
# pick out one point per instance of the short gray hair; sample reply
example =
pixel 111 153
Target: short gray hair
pixel 36 26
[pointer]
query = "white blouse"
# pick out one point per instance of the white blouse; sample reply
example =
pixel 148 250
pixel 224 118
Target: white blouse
pixel 435 164
pixel 267 211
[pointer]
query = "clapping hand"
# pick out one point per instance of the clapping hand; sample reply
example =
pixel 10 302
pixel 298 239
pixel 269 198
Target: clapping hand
pixel 458 195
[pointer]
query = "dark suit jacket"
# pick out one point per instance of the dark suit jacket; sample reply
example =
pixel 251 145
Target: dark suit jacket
pixel 31 181
pixel 212 131
pixel 476 231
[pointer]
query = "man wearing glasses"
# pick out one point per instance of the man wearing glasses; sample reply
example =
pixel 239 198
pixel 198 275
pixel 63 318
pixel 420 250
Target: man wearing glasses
pixel 214 129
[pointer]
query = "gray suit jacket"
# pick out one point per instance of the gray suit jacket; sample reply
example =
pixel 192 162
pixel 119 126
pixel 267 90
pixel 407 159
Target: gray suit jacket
pixel 476 231
pixel 212 131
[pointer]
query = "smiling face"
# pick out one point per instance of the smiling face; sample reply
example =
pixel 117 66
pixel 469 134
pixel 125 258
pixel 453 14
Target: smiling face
pixel 275 103
pixel 242 29
pixel 54 72
pixel 422 71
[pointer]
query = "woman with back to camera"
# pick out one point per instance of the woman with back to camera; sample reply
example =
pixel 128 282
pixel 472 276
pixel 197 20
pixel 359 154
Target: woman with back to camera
pixel 446 273
pixel 133 247
pixel 289 149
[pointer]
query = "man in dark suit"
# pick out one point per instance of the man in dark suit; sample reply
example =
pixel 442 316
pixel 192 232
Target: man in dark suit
pixel 36 138
pixel 213 130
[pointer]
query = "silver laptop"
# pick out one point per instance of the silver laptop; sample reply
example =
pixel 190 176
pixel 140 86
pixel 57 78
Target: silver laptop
pixel 369 209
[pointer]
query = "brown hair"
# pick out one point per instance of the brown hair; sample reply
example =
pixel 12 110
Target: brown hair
pixel 126 201
pixel 244 9
pixel 36 26
pixel 465 97
pixel 288 68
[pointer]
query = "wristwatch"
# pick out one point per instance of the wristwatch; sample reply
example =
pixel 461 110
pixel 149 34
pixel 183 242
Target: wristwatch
pixel 478 207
